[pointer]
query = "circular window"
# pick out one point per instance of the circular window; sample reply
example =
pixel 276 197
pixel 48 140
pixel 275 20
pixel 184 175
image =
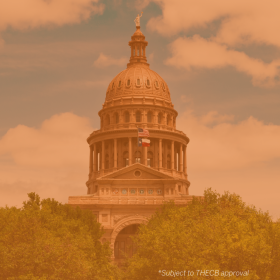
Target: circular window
pixel 159 191
pixel 150 191
pixel 137 173
pixel 141 191
pixel 133 191
pixel 124 191
pixel 115 191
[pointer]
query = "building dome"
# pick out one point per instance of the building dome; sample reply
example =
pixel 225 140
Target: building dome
pixel 138 80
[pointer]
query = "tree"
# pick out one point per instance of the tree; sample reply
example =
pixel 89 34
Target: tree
pixel 46 240
pixel 219 233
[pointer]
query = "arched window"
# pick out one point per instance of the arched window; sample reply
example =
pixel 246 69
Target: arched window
pixel 125 159
pixel 138 82
pixel 116 118
pixel 138 116
pixel 148 82
pixel 120 83
pixel 168 121
pixel 150 159
pixel 107 120
pixel 159 118
pixel 138 156
pixel 149 117
pixel 126 117
pixel 128 82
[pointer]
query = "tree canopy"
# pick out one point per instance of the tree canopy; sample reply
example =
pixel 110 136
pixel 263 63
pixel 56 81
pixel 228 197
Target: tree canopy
pixel 46 240
pixel 219 234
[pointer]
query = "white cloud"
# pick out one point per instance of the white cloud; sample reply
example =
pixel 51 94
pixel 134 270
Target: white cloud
pixel 105 61
pixel 36 13
pixel 241 23
pixel 197 52
pixel 51 160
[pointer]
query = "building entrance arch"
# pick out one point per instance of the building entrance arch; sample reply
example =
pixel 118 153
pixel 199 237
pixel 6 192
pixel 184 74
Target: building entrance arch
pixel 132 220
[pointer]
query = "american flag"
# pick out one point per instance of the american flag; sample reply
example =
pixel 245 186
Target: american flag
pixel 143 132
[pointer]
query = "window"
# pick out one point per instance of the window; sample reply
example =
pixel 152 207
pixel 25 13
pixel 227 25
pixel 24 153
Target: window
pixel 138 160
pixel 163 86
pixel 126 162
pixel 149 162
pixel 107 120
pixel 120 83
pixel 148 82
pixel 156 83
pixel 138 116
pixel 159 118
pixel 126 117
pixel 128 82
pixel 138 82
pixel 168 121
pixel 149 117
pixel 113 85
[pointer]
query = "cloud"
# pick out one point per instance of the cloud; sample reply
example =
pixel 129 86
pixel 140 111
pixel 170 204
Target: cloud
pixel 51 160
pixel 105 61
pixel 37 13
pixel 218 143
pixel 237 24
pixel 197 52
pixel 242 157
pixel 240 21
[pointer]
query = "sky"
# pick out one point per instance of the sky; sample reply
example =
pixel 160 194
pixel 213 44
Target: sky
pixel 220 59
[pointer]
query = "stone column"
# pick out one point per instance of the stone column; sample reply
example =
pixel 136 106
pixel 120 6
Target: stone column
pixel 165 154
pixel 129 151
pixel 145 155
pixel 115 154
pixel 95 158
pixel 156 155
pixel 90 159
pixel 160 153
pixel 103 157
pixel 181 158
pixel 111 159
pixel 172 155
pixel 185 159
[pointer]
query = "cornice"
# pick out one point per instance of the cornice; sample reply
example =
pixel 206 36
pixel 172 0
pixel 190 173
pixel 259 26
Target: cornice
pixel 100 133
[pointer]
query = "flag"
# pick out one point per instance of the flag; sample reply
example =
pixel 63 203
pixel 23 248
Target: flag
pixel 143 132
pixel 143 142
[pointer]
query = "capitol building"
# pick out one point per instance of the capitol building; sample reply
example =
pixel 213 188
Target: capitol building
pixel 127 183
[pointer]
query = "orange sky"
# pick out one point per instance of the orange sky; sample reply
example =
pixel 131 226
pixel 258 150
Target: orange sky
pixel 221 60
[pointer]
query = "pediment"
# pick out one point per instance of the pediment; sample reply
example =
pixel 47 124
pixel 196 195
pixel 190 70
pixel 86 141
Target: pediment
pixel 136 171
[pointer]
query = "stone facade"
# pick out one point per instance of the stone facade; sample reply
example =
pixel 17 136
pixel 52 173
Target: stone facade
pixel 127 183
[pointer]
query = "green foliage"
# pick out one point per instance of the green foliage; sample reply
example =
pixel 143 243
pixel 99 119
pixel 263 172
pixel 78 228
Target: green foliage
pixel 217 233
pixel 45 240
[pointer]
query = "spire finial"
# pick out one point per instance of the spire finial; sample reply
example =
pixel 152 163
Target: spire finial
pixel 137 20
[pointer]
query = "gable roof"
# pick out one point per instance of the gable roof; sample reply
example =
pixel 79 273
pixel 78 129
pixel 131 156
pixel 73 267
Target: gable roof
pixel 136 166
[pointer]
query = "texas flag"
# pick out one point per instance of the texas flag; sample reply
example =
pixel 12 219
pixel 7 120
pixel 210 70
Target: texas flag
pixel 142 142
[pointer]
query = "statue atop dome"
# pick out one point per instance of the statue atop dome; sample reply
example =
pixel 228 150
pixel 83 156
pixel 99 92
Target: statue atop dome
pixel 137 19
